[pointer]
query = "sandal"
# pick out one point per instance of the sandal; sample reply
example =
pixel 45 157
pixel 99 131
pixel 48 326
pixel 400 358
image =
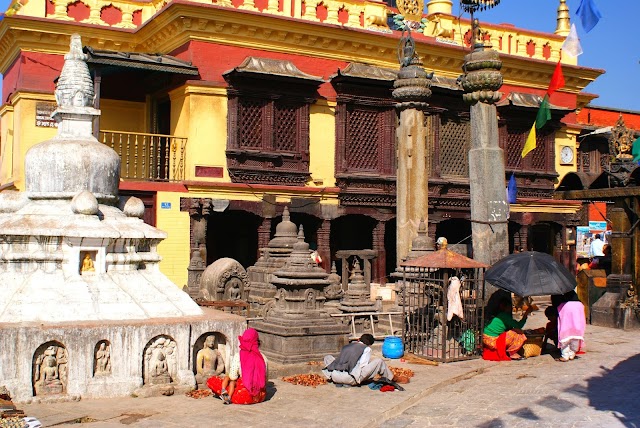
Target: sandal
pixel 562 360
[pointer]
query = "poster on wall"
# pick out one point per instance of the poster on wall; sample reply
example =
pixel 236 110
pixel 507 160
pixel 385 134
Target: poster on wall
pixel 583 241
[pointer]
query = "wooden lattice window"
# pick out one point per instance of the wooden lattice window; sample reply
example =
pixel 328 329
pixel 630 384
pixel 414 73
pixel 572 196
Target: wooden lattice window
pixel 251 116
pixel 363 139
pixel 513 148
pixel 368 139
pixel 539 159
pixel 454 138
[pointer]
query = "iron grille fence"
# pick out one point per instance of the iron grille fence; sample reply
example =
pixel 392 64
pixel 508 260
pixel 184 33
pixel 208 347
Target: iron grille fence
pixel 154 157
pixel 426 297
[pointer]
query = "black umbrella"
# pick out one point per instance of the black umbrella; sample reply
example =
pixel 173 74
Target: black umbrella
pixel 531 273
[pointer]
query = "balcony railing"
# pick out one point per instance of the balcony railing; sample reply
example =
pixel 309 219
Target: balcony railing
pixel 153 157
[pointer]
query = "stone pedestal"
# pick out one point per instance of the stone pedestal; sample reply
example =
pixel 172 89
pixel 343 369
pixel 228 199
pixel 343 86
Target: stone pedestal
pixel 489 207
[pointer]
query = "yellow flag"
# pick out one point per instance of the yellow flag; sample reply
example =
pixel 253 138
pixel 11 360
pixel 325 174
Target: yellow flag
pixel 530 144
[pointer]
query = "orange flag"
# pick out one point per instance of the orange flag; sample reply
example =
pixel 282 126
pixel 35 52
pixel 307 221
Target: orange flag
pixel 557 80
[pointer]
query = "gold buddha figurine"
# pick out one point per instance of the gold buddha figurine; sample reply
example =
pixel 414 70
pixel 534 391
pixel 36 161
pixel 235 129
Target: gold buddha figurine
pixel 87 264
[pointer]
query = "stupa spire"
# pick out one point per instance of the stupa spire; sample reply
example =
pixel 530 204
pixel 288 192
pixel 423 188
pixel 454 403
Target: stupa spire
pixel 563 27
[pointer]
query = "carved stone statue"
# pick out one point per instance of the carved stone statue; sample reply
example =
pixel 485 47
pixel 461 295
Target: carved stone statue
pixel 160 369
pixel 87 264
pixel 50 375
pixel 160 361
pixel 209 362
pixel 103 359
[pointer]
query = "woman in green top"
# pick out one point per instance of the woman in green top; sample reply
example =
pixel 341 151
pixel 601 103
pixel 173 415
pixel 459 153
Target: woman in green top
pixel 503 323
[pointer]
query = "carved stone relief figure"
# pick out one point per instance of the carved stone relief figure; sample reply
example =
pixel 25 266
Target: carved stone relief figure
pixel 102 360
pixel 224 279
pixel 50 369
pixel 209 362
pixel 160 364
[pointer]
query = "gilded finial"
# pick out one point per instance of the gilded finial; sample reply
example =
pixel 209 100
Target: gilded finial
pixel 563 26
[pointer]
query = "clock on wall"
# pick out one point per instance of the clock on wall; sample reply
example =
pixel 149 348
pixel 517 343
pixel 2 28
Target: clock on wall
pixel 566 155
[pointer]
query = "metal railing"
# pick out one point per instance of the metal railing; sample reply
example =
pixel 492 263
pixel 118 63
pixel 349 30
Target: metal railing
pixel 153 157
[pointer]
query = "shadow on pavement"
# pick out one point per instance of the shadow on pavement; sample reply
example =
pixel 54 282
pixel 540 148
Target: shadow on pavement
pixel 617 390
pixel 271 390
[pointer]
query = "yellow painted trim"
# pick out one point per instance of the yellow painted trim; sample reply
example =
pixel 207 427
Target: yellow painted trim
pixel 31 96
pixel 536 207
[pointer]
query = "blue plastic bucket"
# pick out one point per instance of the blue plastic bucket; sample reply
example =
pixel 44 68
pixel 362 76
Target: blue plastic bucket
pixel 392 347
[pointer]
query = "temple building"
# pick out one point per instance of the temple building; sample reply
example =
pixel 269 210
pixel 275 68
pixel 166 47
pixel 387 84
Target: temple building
pixel 224 113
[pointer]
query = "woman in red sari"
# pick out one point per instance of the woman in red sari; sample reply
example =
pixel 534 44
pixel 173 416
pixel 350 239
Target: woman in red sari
pixel 247 378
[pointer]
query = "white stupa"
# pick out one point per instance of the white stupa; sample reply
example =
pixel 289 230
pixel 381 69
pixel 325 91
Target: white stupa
pixel 79 270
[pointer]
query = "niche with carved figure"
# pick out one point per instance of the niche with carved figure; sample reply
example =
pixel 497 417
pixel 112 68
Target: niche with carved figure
pixel 49 369
pixel 102 358
pixel 159 363
pixel 88 262
pixel 210 357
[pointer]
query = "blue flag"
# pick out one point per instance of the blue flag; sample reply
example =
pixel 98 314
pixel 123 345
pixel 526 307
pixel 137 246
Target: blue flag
pixel 512 190
pixel 589 14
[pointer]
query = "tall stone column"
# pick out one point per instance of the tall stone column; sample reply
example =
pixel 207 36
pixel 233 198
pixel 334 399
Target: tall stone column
pixel 324 243
pixel 380 262
pixel 411 90
pixel 264 234
pixel 489 206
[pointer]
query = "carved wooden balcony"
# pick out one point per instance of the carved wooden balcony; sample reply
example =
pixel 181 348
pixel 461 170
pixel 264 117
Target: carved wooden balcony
pixel 148 157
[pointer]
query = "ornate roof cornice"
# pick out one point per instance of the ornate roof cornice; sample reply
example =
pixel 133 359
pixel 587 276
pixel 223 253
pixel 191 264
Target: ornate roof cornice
pixel 178 23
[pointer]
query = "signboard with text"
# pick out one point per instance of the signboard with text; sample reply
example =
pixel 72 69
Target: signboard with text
pixel 43 114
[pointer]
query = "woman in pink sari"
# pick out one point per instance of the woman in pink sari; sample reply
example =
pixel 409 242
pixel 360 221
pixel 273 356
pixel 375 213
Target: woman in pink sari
pixel 247 378
pixel 571 326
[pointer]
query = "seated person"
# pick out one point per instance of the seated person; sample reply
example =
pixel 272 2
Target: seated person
pixel 247 378
pixel 354 365
pixel 504 324
pixel 551 330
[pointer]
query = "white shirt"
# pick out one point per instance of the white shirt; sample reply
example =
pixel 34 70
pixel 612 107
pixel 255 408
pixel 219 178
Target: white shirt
pixel 362 362
pixel 595 250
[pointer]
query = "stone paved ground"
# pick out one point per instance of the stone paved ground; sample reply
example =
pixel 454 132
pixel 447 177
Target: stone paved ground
pixel 601 389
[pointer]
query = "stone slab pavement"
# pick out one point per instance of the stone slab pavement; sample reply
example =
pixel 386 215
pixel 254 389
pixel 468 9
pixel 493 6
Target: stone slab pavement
pixel 601 388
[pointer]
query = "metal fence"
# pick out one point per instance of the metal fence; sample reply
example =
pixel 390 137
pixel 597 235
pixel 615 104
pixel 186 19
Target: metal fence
pixel 431 329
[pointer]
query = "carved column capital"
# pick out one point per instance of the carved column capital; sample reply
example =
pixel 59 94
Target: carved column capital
pixel 482 77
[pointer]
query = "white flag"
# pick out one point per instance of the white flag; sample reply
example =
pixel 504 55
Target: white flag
pixel 571 44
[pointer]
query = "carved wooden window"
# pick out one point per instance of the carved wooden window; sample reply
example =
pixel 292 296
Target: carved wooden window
pixel 454 139
pixel 368 139
pixel 593 156
pixel 268 139
pixel 539 159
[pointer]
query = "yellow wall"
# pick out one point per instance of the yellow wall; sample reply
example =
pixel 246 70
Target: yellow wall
pixel 565 137
pixel 175 249
pixel 22 134
pixel 123 116
pixel 322 130
pixel 7 158
pixel 200 114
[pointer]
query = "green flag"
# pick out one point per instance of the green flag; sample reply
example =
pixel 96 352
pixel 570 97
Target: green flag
pixel 544 113
pixel 635 150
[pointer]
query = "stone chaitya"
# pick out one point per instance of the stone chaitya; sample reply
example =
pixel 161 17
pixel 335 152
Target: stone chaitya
pixel 273 257
pixel 333 292
pixel 224 279
pixel 79 271
pixel 297 328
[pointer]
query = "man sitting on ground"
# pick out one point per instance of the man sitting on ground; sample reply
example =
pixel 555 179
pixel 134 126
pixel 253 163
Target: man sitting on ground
pixel 355 367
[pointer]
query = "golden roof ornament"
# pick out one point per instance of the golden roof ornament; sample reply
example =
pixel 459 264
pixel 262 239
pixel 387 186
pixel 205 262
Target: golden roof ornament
pixel 621 141
pixel 563 27
pixel 411 9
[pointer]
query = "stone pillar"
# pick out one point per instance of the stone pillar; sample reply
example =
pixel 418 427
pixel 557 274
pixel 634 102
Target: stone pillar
pixel 411 90
pixel 324 243
pixel 264 234
pixel 199 210
pixel 380 262
pixel 489 206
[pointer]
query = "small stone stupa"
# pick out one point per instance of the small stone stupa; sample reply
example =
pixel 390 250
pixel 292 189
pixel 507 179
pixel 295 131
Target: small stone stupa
pixel 297 328
pixel 84 307
pixel 261 291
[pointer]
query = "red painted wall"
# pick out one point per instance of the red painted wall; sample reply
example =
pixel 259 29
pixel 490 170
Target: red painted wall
pixel 32 71
pixel 598 117
pixel 212 60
